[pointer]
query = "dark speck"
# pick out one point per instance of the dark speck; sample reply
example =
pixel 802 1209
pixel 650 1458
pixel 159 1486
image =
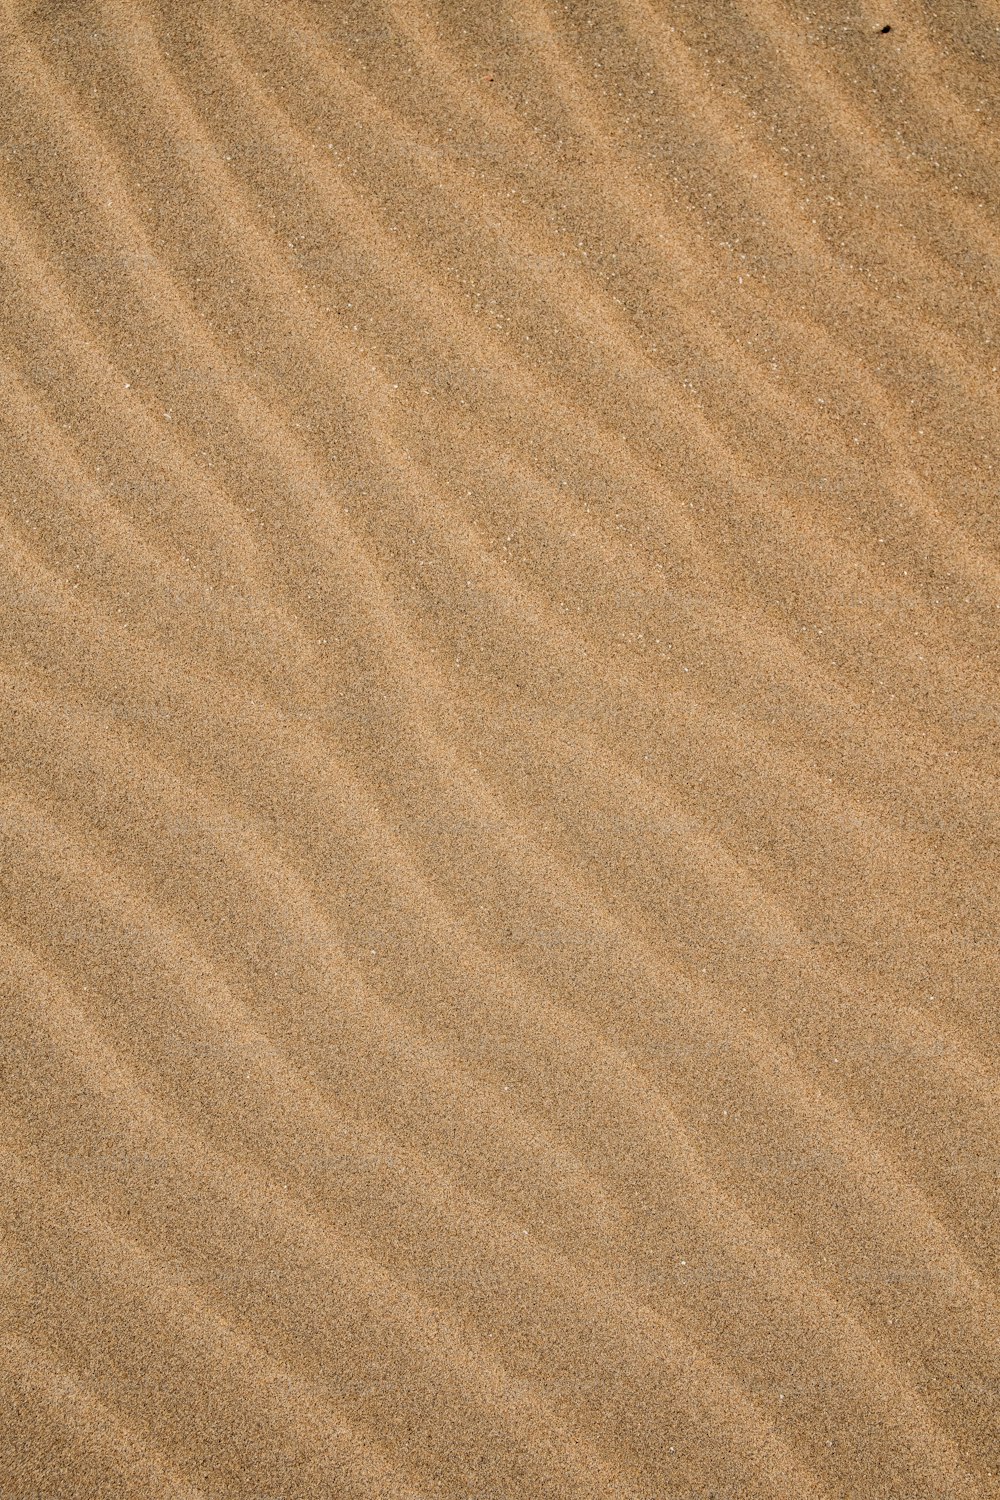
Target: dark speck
pixel 885 29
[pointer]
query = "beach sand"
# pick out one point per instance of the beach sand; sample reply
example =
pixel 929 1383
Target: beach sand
pixel 499 741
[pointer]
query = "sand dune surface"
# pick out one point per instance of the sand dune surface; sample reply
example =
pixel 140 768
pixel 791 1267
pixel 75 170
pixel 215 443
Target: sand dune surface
pixel 501 703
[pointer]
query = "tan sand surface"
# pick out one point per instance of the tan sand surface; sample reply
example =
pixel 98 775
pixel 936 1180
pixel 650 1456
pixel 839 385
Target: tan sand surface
pixel 499 748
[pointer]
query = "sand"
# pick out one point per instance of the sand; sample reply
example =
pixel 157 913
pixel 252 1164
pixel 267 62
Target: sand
pixel 501 706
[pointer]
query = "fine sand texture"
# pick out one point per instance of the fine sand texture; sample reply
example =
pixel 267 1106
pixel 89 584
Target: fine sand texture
pixel 499 750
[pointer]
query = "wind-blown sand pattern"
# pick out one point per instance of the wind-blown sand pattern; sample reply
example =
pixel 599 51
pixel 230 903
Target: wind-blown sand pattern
pixel 499 745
